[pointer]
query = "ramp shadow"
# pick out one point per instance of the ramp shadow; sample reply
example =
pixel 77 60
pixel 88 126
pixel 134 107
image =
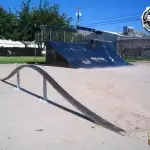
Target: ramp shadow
pixel 53 103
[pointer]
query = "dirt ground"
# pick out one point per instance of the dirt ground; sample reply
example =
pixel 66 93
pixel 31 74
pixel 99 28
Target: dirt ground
pixel 120 95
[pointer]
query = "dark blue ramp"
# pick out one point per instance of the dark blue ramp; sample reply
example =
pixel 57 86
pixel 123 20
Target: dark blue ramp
pixel 82 56
pixel 111 53
pixel 98 55
pixel 106 50
pixel 77 57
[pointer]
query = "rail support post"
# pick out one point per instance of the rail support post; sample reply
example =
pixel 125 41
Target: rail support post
pixel 44 89
pixel 18 80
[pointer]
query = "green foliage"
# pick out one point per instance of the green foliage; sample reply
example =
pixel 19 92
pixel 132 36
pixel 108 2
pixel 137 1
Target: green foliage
pixel 21 59
pixel 19 25
pixel 8 22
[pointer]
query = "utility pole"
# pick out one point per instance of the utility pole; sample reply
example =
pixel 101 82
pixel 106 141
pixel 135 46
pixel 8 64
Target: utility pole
pixel 40 4
pixel 78 14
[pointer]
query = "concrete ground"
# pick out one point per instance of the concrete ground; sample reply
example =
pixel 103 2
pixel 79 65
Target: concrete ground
pixel 120 95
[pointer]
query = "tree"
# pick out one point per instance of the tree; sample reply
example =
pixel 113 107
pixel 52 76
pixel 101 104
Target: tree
pixel 19 25
pixel 41 15
pixel 8 22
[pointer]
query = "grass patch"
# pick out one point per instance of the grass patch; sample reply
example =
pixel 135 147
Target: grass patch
pixel 42 59
pixel 135 59
pixel 21 59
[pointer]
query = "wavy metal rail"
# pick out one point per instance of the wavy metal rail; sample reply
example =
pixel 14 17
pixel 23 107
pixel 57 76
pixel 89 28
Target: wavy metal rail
pixel 87 112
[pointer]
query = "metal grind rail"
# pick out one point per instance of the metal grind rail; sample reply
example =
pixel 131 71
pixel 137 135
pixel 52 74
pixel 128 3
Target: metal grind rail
pixel 47 78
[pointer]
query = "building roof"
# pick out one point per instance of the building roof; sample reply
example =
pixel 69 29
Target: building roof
pixel 18 44
pixel 135 38
pixel 9 43
pixel 30 44
pixel 115 33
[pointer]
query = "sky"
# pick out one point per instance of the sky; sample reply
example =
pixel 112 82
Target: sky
pixel 94 11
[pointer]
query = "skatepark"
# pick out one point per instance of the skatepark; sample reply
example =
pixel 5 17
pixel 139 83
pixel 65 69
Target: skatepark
pixel 119 95
pixel 99 101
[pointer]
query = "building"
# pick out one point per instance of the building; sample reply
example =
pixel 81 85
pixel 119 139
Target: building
pixel 134 46
pixel 128 30
pixel 106 35
pixel 17 48
pixel 131 32
pixel 135 43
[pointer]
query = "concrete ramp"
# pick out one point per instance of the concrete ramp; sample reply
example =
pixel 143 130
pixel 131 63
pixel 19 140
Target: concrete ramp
pixel 101 54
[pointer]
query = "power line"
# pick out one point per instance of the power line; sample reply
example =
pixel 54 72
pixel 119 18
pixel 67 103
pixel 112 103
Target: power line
pixel 122 16
pixel 115 22
pixel 109 21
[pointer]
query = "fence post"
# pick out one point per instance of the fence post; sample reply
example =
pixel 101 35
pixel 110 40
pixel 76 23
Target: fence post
pixel 42 36
pixel 64 36
pixel 35 53
pixel 50 34
pixel 44 89
pixel 18 80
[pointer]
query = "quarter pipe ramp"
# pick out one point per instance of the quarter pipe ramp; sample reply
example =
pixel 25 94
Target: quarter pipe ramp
pixel 101 54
